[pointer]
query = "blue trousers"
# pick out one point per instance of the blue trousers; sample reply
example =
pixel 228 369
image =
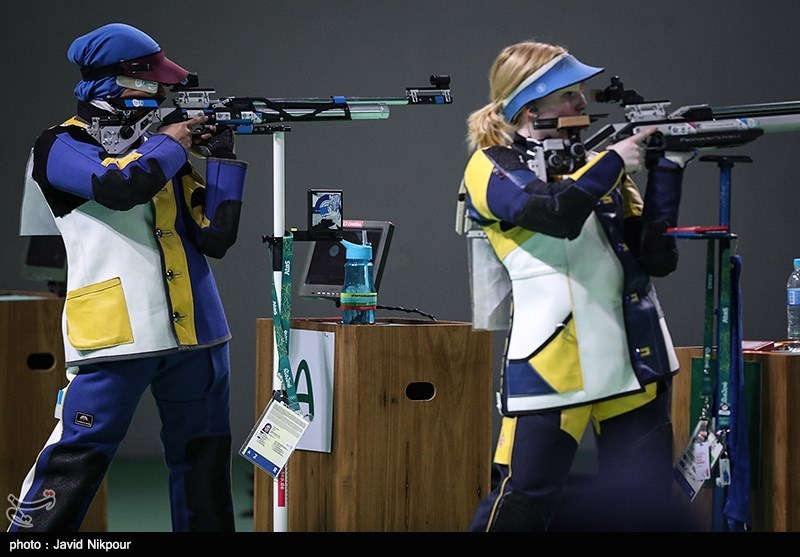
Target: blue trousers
pixel 632 490
pixel 191 390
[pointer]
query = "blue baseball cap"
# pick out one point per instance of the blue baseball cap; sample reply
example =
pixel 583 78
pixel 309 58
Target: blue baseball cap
pixel 562 71
pixel 118 49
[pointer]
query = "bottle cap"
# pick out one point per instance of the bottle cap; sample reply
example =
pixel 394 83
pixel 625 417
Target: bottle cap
pixel 797 263
pixel 361 251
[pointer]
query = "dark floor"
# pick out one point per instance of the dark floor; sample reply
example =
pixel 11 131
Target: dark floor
pixel 138 498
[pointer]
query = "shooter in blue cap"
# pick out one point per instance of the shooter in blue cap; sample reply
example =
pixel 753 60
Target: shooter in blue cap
pixel 587 341
pixel 142 308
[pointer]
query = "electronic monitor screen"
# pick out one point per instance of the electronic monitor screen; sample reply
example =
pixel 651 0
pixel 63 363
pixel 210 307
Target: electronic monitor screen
pixel 45 260
pixel 323 273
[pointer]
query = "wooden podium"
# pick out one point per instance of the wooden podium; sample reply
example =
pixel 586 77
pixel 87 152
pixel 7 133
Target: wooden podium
pixel 397 463
pixel 32 372
pixel 775 492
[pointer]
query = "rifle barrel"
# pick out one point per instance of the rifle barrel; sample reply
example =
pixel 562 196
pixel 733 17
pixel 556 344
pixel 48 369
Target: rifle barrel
pixel 357 112
pixel 760 109
pixel 348 100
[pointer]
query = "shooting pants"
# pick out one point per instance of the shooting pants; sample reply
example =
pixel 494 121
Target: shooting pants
pixel 535 455
pixel 191 390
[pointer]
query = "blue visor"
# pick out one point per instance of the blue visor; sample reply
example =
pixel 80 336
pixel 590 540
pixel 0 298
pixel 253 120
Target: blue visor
pixel 565 72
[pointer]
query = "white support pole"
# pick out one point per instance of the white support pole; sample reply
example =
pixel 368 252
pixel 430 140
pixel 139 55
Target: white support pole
pixel 359 109
pixel 279 514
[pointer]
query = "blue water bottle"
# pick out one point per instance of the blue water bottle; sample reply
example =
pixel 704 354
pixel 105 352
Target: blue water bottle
pixel 358 298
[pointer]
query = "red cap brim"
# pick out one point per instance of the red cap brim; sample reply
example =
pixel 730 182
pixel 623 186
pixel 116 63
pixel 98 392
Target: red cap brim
pixel 156 67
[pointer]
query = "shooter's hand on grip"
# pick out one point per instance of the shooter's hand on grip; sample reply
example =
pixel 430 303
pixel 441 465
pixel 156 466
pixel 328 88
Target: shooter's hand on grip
pixel 218 144
pixel 183 133
pixel 631 150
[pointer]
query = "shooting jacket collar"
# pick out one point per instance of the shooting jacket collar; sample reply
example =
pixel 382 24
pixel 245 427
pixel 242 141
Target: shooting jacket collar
pixel 91 109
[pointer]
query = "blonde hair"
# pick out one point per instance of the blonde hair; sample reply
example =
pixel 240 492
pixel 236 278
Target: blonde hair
pixel 487 126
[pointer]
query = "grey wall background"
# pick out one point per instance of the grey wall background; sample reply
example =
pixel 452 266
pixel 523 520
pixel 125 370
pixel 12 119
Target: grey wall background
pixel 406 169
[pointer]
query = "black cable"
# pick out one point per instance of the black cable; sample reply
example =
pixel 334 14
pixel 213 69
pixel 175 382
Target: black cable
pixel 398 308
pixel 395 308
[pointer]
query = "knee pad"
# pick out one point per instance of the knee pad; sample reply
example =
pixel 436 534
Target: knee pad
pixel 517 513
pixel 70 477
pixel 207 484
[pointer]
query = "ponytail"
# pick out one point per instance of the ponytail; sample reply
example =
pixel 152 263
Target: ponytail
pixel 487 127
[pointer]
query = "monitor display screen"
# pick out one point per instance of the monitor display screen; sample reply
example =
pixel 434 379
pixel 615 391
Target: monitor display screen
pixel 45 260
pixel 323 272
